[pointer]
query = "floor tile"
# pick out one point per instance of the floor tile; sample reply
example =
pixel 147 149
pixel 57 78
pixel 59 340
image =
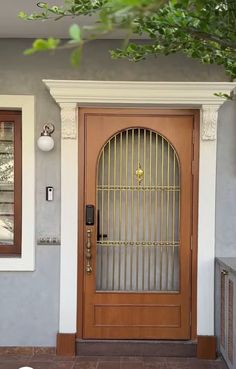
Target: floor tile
pixel 64 358
pixel 51 364
pixel 108 365
pixel 12 358
pixel 131 365
pixel 181 363
pixel 12 365
pixel 49 358
pixel 88 358
pixel 154 364
pixel 220 365
pixel 85 364
pixel 44 360
pixel 131 358
pixel 42 357
pixel 15 350
pixel 44 350
pixel 108 358
pixel 155 359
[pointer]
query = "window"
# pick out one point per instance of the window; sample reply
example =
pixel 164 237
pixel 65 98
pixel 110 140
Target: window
pixel 10 182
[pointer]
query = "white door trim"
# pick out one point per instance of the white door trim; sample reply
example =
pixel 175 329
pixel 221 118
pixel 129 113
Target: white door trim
pixel 198 95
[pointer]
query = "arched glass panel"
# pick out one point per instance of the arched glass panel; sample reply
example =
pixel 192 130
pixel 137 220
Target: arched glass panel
pixel 138 202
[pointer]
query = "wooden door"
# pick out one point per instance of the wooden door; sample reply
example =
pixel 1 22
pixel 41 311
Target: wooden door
pixel 137 254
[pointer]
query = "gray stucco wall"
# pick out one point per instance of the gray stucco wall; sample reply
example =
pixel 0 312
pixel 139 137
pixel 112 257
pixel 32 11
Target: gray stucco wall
pixel 29 302
pixel 29 307
pixel 226 182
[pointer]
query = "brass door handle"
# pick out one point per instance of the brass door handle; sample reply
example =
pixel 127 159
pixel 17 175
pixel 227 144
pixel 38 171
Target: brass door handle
pixel 88 253
pixel 224 272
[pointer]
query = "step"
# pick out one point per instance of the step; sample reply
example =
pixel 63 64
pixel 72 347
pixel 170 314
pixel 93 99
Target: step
pixel 136 348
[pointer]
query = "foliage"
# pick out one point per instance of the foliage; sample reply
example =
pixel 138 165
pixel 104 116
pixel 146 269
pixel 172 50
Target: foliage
pixel 201 29
pixel 43 45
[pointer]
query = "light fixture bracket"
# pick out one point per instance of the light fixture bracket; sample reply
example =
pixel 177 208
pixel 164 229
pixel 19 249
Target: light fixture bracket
pixel 48 129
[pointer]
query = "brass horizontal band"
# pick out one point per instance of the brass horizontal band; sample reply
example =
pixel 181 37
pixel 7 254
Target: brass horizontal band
pixel 138 188
pixel 137 243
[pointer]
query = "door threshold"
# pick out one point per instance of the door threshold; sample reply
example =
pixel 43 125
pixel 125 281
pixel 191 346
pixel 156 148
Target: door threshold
pixel 136 348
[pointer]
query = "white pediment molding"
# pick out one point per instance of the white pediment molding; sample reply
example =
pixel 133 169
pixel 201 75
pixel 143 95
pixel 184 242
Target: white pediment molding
pixel 133 92
pixel 70 94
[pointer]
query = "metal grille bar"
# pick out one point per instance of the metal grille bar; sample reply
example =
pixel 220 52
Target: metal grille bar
pixel 138 201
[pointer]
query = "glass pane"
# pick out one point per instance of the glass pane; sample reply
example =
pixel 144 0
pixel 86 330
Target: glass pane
pixel 138 199
pixel 6 183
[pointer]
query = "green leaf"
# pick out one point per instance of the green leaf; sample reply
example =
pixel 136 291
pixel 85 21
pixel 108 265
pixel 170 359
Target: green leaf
pixel 74 32
pixel 42 45
pixel 29 51
pixel 22 15
pixel 54 9
pixel 42 5
pixel 223 95
pixel 76 56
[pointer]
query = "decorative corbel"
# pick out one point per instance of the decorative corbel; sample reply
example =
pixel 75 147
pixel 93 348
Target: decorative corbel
pixel 209 117
pixel 69 120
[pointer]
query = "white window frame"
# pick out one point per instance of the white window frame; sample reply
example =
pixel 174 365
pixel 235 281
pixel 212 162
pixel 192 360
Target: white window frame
pixel 25 261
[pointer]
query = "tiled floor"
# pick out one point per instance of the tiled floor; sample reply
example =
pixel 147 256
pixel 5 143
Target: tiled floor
pixel 101 362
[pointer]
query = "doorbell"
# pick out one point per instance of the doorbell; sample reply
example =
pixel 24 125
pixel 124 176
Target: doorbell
pixel 49 193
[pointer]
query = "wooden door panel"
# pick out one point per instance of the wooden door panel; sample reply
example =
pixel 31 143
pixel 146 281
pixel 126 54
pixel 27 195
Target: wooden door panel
pixel 146 314
pixel 138 315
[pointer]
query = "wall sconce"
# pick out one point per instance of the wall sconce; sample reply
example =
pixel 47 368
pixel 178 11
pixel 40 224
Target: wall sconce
pixel 45 141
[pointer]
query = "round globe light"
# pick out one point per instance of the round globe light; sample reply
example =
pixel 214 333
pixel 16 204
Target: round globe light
pixel 45 143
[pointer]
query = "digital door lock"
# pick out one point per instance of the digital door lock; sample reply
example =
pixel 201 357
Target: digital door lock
pixel 89 215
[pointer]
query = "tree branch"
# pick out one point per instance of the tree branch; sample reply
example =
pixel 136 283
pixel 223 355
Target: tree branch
pixel 209 37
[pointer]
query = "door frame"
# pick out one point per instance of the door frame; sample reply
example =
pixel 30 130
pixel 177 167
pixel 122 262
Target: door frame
pixel 81 203
pixel 70 95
